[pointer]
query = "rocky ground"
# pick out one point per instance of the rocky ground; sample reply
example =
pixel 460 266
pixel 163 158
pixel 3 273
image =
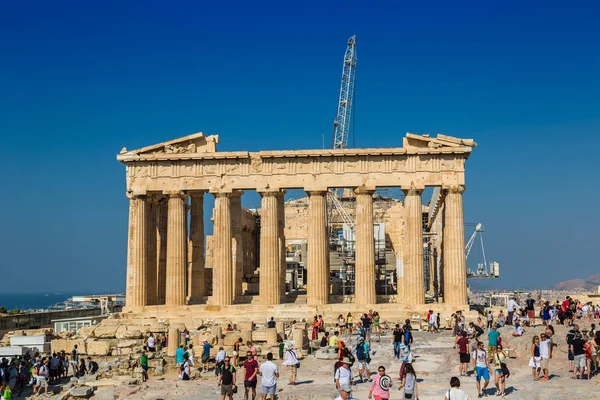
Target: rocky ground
pixel 436 361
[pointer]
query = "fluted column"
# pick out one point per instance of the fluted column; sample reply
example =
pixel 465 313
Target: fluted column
pixel 222 254
pixel 281 240
pixel 176 250
pixel 269 290
pixel 152 262
pixel 136 290
pixel 197 273
pixel 161 250
pixel 455 262
pixel 236 247
pixel 364 283
pixel 414 283
pixel 317 268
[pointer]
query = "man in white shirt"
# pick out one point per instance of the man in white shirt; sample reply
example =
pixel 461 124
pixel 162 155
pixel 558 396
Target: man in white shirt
pixel 343 379
pixel 511 306
pixel 269 372
pixel 482 368
pixel 545 349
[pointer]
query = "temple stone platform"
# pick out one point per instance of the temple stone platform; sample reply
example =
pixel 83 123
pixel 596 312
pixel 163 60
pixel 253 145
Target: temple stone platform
pixel 191 314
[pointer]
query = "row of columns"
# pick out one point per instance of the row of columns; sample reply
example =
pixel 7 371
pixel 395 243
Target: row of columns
pixel 158 249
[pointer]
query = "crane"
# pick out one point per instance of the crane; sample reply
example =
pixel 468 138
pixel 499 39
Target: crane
pixel 482 268
pixel 341 124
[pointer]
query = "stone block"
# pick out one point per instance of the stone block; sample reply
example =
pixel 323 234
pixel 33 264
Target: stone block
pixel 231 338
pixel 82 392
pixel 243 326
pixel 129 334
pixel 87 378
pixel 105 332
pixel 98 347
pixel 271 336
pixel 246 336
pixel 87 332
pixel 67 345
pixel 128 343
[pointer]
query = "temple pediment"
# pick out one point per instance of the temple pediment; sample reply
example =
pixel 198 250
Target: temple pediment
pixel 426 141
pixel 190 144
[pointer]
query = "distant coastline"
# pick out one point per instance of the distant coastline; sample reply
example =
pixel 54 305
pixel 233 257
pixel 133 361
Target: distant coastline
pixel 35 301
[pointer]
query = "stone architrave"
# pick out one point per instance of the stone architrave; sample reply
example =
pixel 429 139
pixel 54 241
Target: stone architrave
pixel 222 260
pixel 176 250
pixel 455 263
pixel 197 275
pixel 414 284
pixel 161 250
pixel 317 268
pixel 364 283
pixel 152 262
pixel 236 246
pixel 270 261
pixel 136 294
pixel 281 240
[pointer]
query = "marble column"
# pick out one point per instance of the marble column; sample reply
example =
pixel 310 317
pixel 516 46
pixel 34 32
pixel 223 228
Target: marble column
pixel 197 274
pixel 152 262
pixel 455 262
pixel 222 254
pixel 364 283
pixel 137 267
pixel 281 240
pixel 414 283
pixel 270 261
pixel 236 246
pixel 161 250
pixel 176 250
pixel 317 267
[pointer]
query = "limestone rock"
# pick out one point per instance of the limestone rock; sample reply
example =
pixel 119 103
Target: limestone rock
pixel 124 333
pixel 81 392
pixel 105 332
pixel 98 347
pixel 127 343
pixel 87 332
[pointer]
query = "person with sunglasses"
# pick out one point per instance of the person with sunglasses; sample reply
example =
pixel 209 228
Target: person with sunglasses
pixel 227 378
pixel 380 389
pixel 250 372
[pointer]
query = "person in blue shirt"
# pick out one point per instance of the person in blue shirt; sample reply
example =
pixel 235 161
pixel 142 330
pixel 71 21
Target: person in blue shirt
pixel 493 336
pixel 179 356
pixel 205 353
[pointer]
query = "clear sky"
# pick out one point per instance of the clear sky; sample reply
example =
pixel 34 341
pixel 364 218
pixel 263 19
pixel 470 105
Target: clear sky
pixel 80 80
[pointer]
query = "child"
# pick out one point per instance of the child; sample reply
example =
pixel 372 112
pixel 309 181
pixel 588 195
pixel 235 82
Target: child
pixel 281 348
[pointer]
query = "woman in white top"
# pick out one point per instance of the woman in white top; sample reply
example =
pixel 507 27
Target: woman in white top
pixel 291 360
pixel 341 324
pixel 409 383
pixel 455 393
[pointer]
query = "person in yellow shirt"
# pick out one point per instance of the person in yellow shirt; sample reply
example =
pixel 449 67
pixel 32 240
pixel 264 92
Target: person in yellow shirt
pixel 333 340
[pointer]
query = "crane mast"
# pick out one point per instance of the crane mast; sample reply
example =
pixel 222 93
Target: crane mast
pixel 341 124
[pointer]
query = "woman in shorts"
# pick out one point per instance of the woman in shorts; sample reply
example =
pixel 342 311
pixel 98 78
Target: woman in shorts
pixel 349 323
pixel 535 360
pixel 499 378
pixel 341 324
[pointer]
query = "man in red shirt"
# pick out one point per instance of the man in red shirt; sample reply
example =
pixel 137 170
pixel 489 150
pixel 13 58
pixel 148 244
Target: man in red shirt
pixel 462 348
pixel 250 371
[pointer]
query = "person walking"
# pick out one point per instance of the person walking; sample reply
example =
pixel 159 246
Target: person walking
pixel 341 324
pixel 205 354
pixel 349 323
pixel 362 354
pixel 269 372
pixel 481 365
pixel 291 361
pixel 499 376
pixel 378 389
pixel 42 378
pixel 493 337
pixel 227 379
pixel 397 338
pixel 250 372
pixel 534 361
pixel 409 383
pixel 530 308
pixel 235 361
pixel 455 392
pixel 490 320
pixel 179 356
pixel 578 355
pixel 144 364
pixel 343 379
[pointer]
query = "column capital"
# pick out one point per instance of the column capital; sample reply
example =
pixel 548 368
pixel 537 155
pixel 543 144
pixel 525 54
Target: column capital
pixel 322 192
pixel 174 194
pixel 237 193
pixel 221 194
pixel 136 196
pixel 269 192
pixel 412 191
pixel 364 190
pixel 454 189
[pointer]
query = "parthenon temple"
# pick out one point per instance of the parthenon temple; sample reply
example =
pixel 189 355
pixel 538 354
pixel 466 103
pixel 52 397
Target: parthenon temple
pixel 172 264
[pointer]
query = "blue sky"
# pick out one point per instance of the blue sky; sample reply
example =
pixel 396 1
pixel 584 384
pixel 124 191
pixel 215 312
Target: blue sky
pixel 81 80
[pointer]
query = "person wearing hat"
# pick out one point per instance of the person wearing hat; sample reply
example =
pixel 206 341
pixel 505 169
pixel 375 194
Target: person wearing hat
pixel 343 378
pixel 362 354
pixel 205 354
pixel 291 361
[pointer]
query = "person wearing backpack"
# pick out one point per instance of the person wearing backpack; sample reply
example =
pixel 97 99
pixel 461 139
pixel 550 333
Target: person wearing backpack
pixel 362 354
pixel 227 379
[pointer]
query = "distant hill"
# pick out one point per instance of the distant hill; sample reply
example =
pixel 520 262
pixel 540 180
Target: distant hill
pixel 590 283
